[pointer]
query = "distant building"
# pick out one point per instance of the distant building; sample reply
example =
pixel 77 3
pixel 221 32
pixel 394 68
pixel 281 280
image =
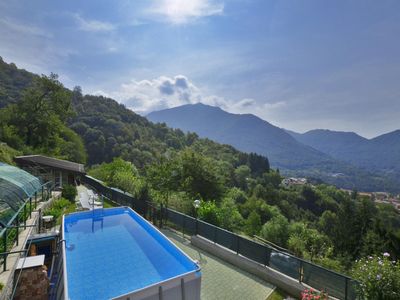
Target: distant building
pixel 51 169
pixel 292 181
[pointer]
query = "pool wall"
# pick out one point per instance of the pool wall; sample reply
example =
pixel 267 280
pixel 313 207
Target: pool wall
pixel 186 286
pixel 182 287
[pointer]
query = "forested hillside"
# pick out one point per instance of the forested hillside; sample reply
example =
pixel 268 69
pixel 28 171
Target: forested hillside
pixel 238 191
pixel 249 133
pixel 12 82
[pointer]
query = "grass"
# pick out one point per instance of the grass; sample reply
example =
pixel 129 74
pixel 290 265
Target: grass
pixel 108 203
pixel 277 294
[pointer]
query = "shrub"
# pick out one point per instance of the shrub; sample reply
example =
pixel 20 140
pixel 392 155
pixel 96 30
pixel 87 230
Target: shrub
pixel 310 294
pixel 209 212
pixel 69 192
pixel 58 208
pixel 379 277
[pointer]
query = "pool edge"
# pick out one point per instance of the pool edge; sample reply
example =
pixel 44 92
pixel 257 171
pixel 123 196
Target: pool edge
pixel 194 275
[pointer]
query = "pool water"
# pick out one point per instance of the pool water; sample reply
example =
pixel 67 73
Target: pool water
pixel 110 252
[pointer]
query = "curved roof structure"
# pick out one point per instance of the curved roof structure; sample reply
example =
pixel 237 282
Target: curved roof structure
pixel 16 186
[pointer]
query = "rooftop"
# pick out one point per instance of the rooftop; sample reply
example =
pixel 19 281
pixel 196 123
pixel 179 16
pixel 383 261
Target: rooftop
pixel 50 162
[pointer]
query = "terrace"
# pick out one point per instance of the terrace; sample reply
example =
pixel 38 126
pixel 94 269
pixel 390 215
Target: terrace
pixel 232 266
pixel 221 280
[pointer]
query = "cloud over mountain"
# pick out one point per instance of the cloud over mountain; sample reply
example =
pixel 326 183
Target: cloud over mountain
pixel 145 96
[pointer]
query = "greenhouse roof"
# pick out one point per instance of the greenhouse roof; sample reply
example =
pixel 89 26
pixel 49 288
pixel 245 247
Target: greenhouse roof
pixel 16 186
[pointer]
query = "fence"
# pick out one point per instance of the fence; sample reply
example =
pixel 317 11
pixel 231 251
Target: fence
pixel 9 235
pixel 337 285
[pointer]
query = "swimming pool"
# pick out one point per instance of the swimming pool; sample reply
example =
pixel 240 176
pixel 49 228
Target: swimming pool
pixel 115 253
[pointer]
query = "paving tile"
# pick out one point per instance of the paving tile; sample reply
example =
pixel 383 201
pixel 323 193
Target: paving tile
pixel 221 280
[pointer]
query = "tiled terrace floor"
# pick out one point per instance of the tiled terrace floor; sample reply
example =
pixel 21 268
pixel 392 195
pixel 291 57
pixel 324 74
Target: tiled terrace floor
pixel 221 280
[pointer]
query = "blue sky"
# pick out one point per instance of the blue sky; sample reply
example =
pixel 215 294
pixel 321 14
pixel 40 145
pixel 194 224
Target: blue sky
pixel 297 64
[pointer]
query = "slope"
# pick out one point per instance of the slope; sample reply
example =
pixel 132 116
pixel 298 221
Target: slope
pixel 251 134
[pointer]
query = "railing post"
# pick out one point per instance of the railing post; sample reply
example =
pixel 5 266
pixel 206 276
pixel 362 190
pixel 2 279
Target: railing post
pixel 40 220
pixel 5 250
pixel 30 207
pixel 42 193
pixel 301 271
pixel 161 215
pixel 346 288
pixel 35 200
pixel 183 225
pixel 17 229
pixel 25 216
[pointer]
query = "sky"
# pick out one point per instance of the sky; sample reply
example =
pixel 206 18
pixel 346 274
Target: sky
pixel 299 64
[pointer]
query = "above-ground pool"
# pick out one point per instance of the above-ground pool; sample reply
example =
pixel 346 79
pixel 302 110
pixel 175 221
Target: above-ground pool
pixel 115 253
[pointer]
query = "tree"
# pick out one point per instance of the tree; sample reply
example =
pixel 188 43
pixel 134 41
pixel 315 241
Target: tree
pixel 242 174
pixel 209 212
pixel 164 177
pixel 252 224
pixel 37 123
pixel 43 109
pixel 276 230
pixel 230 218
pixel 198 176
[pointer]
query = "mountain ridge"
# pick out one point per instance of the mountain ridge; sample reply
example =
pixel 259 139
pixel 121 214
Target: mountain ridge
pixel 381 153
pixel 250 133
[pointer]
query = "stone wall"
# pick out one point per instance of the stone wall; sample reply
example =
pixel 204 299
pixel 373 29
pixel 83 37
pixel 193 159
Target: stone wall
pixel 33 284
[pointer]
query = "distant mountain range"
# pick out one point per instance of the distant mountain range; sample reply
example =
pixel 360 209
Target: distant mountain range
pixel 345 159
pixel 381 153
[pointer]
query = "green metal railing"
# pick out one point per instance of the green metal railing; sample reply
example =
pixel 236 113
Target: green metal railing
pixel 9 235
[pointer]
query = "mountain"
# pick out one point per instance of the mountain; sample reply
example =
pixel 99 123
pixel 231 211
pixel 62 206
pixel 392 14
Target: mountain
pixel 108 130
pixel 381 153
pixel 245 132
pixel 249 133
pixel 12 82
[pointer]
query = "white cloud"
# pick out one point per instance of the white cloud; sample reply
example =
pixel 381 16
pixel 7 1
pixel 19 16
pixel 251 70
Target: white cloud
pixel 24 29
pixel 148 95
pixel 164 92
pixel 93 25
pixel 185 11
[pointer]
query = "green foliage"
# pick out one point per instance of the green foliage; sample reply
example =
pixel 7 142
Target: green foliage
pixel 252 224
pixel 199 176
pixel 123 175
pixel 7 154
pixel 153 162
pixel 277 294
pixel 60 207
pixel 209 212
pixel 308 242
pixel 36 123
pixel 379 277
pixel 276 230
pixel 12 82
pixel 230 218
pixel 69 192
pixel 242 175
